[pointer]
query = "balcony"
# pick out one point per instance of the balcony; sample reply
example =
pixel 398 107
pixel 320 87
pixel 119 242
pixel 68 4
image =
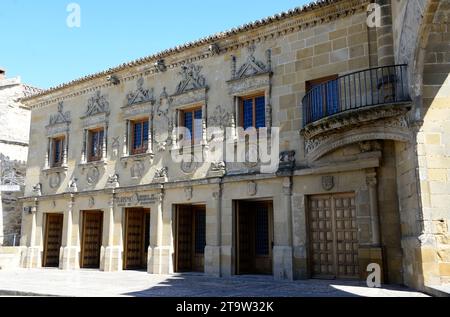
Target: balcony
pixel 374 99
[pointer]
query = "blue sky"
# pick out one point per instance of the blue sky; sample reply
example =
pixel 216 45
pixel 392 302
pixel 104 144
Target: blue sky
pixel 36 43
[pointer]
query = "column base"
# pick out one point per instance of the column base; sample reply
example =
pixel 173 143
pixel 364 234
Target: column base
pixel 160 261
pixel 212 261
pixel 112 259
pixel 32 258
pixel 300 263
pixel 282 263
pixel 370 255
pixel 69 258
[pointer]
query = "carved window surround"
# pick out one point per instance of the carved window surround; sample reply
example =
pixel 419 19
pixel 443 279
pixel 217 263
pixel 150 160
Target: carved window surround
pixel 187 100
pixel 88 165
pixel 253 76
pixel 59 126
pixel 127 137
pixel 130 159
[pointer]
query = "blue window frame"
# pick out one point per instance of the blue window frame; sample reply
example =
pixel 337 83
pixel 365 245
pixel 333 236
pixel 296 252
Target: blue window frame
pixel 253 112
pixel 324 97
pixel 140 136
pixel 192 121
pixel 58 152
pixel 96 145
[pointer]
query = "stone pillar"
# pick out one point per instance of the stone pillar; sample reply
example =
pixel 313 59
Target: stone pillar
pixel 84 149
pixel 33 257
pixel 299 237
pixel 69 251
pixel 125 138
pixel 385 39
pixel 371 179
pixel 150 136
pixel 204 116
pixel 212 250
pixel 47 155
pixel 160 259
pixel 112 253
pixel 282 253
pixel 66 149
pixel 105 142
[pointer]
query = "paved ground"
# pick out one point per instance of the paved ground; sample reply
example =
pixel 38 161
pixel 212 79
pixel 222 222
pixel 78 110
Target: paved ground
pixel 87 283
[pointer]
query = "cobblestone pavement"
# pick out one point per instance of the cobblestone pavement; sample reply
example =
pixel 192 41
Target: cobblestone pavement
pixel 86 283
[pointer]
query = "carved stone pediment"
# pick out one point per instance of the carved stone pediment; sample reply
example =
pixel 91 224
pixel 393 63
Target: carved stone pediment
pixel 191 79
pixel 140 95
pixel 97 104
pixel 59 122
pixel 251 66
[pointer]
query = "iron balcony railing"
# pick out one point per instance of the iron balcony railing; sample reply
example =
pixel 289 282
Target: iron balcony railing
pixel 370 87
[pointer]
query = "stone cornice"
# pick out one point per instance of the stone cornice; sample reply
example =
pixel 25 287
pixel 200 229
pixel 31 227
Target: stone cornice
pixel 305 17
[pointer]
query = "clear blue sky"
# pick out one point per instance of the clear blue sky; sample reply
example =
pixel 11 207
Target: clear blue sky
pixel 36 43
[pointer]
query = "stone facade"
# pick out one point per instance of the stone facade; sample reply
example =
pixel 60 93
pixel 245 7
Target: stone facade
pixel 14 134
pixel 345 194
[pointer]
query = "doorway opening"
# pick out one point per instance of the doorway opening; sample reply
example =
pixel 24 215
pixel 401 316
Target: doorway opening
pixel 254 241
pixel 190 238
pixel 91 239
pixel 53 239
pixel 137 238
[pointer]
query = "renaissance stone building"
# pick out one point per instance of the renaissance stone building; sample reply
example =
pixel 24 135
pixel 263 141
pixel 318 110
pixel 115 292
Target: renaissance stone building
pixel 14 133
pixel 362 158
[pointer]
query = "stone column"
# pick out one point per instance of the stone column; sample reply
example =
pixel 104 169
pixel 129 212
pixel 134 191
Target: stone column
pixel 385 39
pixel 125 138
pixel 105 142
pixel 47 155
pixel 113 253
pixel 204 116
pixel 282 252
pixel 371 179
pixel 33 257
pixel 150 136
pixel 212 250
pixel 84 149
pixel 66 149
pixel 299 236
pixel 69 250
pixel 161 253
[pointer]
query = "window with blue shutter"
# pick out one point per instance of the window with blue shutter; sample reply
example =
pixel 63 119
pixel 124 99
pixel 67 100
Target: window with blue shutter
pixel 140 136
pixel 193 122
pixel 58 152
pixel 253 112
pixel 96 145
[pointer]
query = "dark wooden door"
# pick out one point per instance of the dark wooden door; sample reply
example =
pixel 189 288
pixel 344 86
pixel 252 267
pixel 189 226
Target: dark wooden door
pixel 136 245
pixel 92 239
pixel 53 239
pixel 191 238
pixel 333 236
pixel 255 238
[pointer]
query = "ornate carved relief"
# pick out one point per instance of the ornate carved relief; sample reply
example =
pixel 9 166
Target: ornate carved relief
pixel 54 180
pixel 189 166
pixel 37 190
pixel 252 189
pixel 91 202
pixel 59 122
pixel 97 104
pixel 137 170
pixel 92 176
pixel 162 174
pixel 113 181
pixel 140 95
pixel 163 124
pixel 72 186
pixel 189 192
pixel 252 66
pixel 327 183
pixel 220 118
pixel 287 160
pixel 191 79
pixel 218 169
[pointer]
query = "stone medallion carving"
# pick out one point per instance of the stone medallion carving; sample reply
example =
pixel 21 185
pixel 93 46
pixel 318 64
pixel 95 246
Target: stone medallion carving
pixel 92 175
pixel 54 181
pixel 189 166
pixel 91 202
pixel 252 189
pixel 113 181
pixel 162 172
pixel 189 192
pixel 137 169
pixel 327 183
pixel 72 186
